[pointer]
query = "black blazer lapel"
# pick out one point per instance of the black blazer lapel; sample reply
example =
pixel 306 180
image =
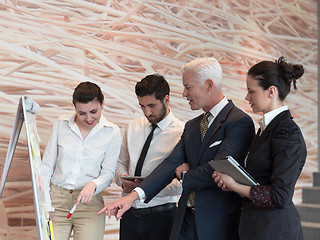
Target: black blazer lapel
pixel 214 127
pixel 258 140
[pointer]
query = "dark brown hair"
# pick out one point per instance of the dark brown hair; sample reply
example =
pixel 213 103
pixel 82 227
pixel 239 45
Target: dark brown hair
pixel 280 74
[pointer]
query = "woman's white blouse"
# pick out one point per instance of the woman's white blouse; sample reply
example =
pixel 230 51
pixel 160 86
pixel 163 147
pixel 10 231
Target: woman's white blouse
pixel 70 161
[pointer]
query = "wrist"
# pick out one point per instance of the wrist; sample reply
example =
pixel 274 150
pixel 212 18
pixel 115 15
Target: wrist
pixel 182 175
pixel 134 195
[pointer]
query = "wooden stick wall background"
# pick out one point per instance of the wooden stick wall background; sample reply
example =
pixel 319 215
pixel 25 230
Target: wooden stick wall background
pixel 48 47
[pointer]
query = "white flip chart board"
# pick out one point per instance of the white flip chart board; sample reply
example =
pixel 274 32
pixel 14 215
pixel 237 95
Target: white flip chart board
pixel 26 114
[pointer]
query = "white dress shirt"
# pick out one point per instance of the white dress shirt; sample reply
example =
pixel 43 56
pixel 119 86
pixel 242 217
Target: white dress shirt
pixel 77 161
pixel 216 110
pixel 165 138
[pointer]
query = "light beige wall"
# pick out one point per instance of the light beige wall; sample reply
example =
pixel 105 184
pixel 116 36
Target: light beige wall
pixel 48 47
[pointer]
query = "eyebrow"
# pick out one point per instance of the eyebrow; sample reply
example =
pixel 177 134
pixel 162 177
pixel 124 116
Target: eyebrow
pixel 95 109
pixel 147 104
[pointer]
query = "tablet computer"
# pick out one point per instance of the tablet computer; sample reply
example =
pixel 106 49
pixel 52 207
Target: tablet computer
pixel 132 178
pixel 231 167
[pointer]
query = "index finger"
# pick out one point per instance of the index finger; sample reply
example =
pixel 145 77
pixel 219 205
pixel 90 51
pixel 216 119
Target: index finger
pixel 102 210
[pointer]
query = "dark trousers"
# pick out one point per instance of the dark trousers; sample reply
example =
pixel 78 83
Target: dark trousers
pixel 155 226
pixel 188 228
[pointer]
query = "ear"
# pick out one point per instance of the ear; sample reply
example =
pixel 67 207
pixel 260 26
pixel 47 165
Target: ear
pixel 166 100
pixel 209 84
pixel 272 91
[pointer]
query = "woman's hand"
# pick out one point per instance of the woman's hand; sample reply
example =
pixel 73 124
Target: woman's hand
pixel 227 183
pixel 224 181
pixel 86 193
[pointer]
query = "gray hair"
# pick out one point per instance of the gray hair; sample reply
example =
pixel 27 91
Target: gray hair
pixel 203 69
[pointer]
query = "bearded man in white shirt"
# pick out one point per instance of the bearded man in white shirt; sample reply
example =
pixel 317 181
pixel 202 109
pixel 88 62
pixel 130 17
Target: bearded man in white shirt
pixel 153 220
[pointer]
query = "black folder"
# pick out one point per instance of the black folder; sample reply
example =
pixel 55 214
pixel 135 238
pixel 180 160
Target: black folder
pixel 231 167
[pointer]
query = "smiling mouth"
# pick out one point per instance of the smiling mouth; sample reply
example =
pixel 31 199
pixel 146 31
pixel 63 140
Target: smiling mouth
pixel 90 123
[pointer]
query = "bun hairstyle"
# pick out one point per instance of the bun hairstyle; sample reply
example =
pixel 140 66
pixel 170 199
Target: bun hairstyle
pixel 279 73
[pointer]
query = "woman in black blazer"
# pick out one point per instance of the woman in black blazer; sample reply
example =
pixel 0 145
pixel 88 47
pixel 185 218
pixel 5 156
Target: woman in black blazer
pixel 275 158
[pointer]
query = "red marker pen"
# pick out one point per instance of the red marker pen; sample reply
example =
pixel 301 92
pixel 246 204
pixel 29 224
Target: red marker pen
pixel 72 210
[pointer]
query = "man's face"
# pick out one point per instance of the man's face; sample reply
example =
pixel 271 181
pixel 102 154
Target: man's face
pixel 194 91
pixel 154 109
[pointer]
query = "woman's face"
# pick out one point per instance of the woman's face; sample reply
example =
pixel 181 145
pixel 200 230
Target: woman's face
pixel 258 98
pixel 88 114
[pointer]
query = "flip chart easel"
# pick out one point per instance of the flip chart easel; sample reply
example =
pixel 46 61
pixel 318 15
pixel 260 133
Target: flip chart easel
pixel 26 113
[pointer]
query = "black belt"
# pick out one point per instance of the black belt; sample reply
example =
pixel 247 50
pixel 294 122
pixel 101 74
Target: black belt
pixel 151 210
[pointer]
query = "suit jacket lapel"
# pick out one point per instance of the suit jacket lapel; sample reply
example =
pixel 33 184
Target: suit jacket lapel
pixel 214 127
pixel 197 134
pixel 258 140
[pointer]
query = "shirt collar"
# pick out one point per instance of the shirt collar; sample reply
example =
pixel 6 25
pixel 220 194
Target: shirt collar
pixel 217 108
pixel 269 116
pixel 102 123
pixel 164 123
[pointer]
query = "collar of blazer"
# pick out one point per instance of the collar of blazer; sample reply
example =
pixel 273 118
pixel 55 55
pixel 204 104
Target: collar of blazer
pixel 219 120
pixel 258 140
pixel 274 122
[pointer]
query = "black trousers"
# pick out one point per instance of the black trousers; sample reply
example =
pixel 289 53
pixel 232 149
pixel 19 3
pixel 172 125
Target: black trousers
pixel 188 228
pixel 155 226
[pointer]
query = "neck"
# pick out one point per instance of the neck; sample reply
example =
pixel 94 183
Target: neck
pixel 167 113
pixel 214 101
pixel 274 106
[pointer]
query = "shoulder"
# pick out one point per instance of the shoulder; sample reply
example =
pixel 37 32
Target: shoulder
pixel 137 122
pixel 285 133
pixel 287 129
pixel 232 114
pixel 193 121
pixel 64 120
pixel 109 125
pixel 177 122
pixel 235 111
pixel 136 126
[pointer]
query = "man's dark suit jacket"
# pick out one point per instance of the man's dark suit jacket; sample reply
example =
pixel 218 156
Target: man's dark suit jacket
pixel 275 160
pixel 216 211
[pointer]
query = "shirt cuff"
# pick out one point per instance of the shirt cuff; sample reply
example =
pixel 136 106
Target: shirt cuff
pixel 261 197
pixel 141 194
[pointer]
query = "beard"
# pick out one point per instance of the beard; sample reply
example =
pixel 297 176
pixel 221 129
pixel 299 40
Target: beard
pixel 160 116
